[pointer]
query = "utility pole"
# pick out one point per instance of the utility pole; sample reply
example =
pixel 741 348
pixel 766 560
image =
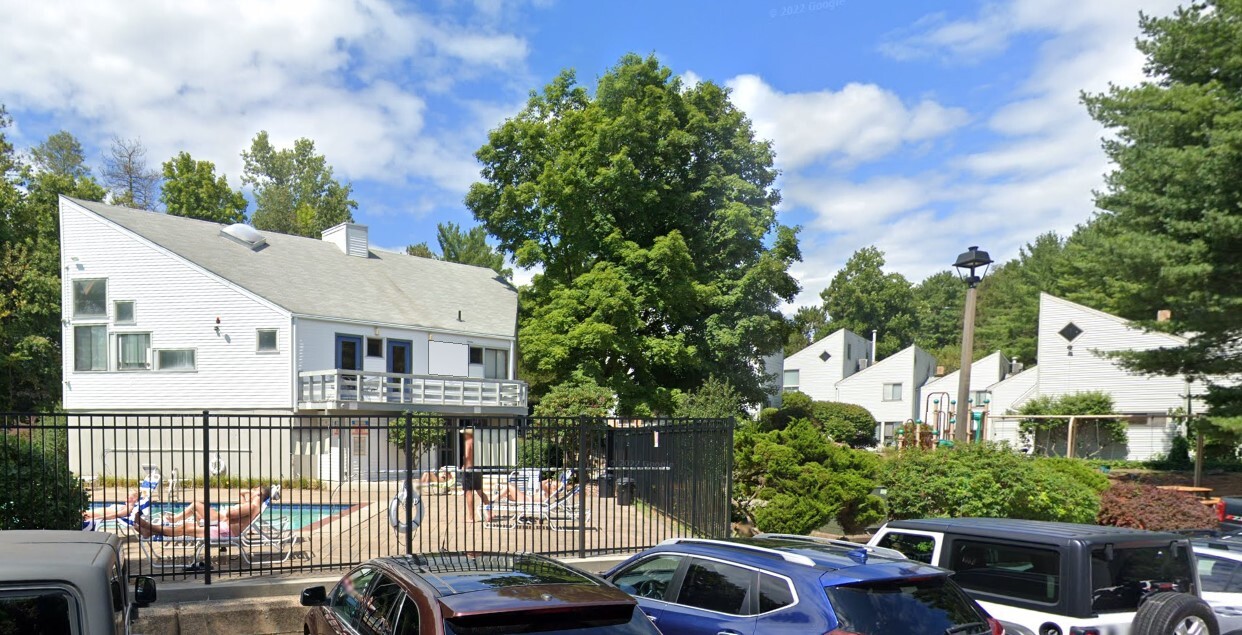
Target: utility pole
pixel 1198 437
pixel 968 265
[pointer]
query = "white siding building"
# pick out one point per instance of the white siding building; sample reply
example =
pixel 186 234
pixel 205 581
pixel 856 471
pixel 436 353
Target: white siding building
pixel 816 369
pixel 984 373
pixel 890 388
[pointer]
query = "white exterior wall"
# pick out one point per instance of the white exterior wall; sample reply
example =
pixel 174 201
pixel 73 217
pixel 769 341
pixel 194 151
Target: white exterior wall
pixel 316 345
pixel 983 374
pixel 1010 394
pixel 818 378
pixel 910 367
pixel 177 303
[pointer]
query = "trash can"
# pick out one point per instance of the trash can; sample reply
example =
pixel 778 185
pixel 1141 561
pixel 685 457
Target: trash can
pixel 625 491
pixel 607 483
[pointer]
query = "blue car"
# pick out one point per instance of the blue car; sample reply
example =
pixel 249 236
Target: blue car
pixel 777 584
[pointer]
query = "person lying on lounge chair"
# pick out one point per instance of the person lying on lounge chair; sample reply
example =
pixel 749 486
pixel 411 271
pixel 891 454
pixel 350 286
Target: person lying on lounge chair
pixel 511 492
pixel 119 510
pixel 442 476
pixel 230 522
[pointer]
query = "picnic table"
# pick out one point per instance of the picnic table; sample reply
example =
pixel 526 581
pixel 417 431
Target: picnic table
pixel 1202 493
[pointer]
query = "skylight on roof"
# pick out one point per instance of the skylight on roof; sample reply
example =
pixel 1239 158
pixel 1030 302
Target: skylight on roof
pixel 245 235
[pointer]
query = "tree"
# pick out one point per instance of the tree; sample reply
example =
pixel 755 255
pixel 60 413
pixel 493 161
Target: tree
pixel 715 399
pixel 191 189
pixel 1091 435
pixel 465 247
pixel 861 297
pixel 293 188
pixel 60 154
pixel 649 207
pixel 1174 199
pixel 807 326
pixel 940 300
pixel 126 176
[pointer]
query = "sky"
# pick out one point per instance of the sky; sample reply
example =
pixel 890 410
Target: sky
pixel 919 128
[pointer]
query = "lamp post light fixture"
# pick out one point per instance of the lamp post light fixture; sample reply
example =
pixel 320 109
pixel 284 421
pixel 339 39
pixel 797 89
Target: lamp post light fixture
pixel 971 266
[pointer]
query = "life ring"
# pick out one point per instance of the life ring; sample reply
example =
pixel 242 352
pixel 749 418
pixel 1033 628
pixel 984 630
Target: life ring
pixel 396 516
pixel 217 465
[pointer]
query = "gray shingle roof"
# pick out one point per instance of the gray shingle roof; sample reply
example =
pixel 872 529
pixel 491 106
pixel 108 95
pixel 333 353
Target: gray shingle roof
pixel 311 277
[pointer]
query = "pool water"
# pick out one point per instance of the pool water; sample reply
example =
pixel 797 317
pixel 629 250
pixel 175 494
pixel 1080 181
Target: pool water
pixel 299 515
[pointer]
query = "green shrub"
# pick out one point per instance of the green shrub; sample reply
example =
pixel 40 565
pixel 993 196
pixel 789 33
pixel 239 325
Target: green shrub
pixel 1179 454
pixel 715 399
pixel 577 398
pixel 39 491
pixel 798 480
pixel 1047 432
pixel 983 479
pixel 532 452
pixel 1144 506
pixel 1077 469
pixel 845 422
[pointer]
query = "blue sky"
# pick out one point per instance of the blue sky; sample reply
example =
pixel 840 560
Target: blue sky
pixel 917 129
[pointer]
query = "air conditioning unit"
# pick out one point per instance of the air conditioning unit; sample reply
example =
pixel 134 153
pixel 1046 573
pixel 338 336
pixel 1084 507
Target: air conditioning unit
pixel 863 363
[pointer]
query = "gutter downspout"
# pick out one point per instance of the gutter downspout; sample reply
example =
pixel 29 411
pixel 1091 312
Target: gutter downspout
pixel 873 359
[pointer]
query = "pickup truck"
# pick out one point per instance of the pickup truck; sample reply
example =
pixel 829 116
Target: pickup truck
pixel 67 582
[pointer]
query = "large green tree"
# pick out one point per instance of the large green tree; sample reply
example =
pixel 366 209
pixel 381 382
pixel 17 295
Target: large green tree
pixel 940 300
pixel 61 154
pixel 466 247
pixel 1175 196
pixel 293 188
pixel 649 207
pixel 808 325
pixel 1008 312
pixel 192 189
pixel 863 297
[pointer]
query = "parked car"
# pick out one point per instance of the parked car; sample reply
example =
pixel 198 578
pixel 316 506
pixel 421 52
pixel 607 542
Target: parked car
pixel 1046 578
pixel 1229 513
pixel 471 594
pixel 1220 573
pixel 67 582
pixel 776 584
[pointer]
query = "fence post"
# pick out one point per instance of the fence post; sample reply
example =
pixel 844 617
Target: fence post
pixel 207 497
pixel 582 485
pixel 727 530
pixel 409 484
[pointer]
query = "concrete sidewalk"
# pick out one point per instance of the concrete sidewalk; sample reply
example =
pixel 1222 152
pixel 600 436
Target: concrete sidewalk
pixel 256 606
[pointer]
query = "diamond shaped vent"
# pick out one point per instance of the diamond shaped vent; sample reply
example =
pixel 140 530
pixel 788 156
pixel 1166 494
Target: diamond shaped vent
pixel 824 356
pixel 1070 332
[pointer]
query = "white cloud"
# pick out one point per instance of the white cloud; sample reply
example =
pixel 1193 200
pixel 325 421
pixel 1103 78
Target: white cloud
pixel 206 76
pixel 860 122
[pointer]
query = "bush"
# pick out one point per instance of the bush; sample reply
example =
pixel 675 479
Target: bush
pixel 715 399
pixel 577 398
pixel 983 479
pixel 1047 432
pixel 1077 469
pixel 533 452
pixel 1179 454
pixel 798 480
pixel 39 490
pixel 1144 506
pixel 842 422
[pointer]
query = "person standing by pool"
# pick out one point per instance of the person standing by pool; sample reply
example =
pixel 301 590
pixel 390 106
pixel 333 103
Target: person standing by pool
pixel 472 481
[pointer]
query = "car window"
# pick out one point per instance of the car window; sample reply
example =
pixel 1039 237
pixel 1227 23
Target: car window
pixel 350 595
pixel 48 612
pixel 912 546
pixel 377 612
pixel 1023 573
pixel 1119 583
pixel 648 578
pixel 716 586
pixel 774 593
pixel 1215 573
pixel 407 620
pixel 922 606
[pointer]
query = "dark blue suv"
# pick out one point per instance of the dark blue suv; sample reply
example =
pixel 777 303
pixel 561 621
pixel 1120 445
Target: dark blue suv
pixel 777 584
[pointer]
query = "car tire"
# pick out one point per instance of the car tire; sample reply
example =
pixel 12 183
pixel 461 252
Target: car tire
pixel 1174 614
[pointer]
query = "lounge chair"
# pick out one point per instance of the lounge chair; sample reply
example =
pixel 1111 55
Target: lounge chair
pixel 123 526
pixel 271 535
pixel 439 488
pixel 559 511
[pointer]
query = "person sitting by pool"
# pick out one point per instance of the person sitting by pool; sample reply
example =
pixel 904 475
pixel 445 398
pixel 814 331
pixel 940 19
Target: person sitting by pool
pixel 547 486
pixel 230 522
pixel 119 510
pixel 441 476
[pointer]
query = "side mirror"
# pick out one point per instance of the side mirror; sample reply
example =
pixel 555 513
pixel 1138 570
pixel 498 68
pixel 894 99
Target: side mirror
pixel 314 596
pixel 144 591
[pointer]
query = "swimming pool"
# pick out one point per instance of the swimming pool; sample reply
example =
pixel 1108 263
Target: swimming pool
pixel 299 515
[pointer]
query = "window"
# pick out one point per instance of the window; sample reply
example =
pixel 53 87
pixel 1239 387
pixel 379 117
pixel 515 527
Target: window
pixel 919 606
pixel 912 546
pixel 124 311
pixel 1022 573
pixel 495 364
pixel 1218 575
pixel 1117 582
pixel 774 593
pixel 90 298
pixel 133 351
pixel 980 397
pixel 349 596
pixel 267 341
pixel 892 392
pixel 648 578
pixel 90 348
pixel 175 359
pixel 375 347
pixel 790 380
pixel 50 611
pixel 380 609
pixel 476 355
pixel 716 586
pixel 407 621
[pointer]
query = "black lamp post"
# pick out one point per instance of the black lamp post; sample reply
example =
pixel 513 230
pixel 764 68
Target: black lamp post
pixel 971 266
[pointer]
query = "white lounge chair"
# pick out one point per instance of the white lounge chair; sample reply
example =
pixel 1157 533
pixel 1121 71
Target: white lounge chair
pixel 271 535
pixel 559 511
pixel 123 526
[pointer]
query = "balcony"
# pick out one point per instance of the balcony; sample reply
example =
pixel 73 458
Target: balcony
pixel 354 390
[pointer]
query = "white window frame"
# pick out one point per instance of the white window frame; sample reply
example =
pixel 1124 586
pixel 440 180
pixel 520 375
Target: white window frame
pixel 887 394
pixel 785 375
pixel 258 346
pixel 118 350
pixel 155 356
pixel 116 312
pixel 106 352
pixel 103 315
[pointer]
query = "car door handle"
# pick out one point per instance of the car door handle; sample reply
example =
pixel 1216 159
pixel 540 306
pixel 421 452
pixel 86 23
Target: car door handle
pixel 728 633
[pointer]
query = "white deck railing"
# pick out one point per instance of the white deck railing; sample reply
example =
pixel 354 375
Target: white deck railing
pixel 370 387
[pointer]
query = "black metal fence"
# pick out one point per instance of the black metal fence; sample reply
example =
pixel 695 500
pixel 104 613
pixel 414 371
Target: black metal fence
pixel 336 490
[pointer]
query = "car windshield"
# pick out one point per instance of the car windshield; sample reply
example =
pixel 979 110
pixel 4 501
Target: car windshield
pixel 553 624
pixel 923 606
pixel 1122 578
pixel 44 611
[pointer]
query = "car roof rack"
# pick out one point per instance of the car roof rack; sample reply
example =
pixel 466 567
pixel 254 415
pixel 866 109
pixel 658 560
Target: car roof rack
pixel 879 551
pixel 795 558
